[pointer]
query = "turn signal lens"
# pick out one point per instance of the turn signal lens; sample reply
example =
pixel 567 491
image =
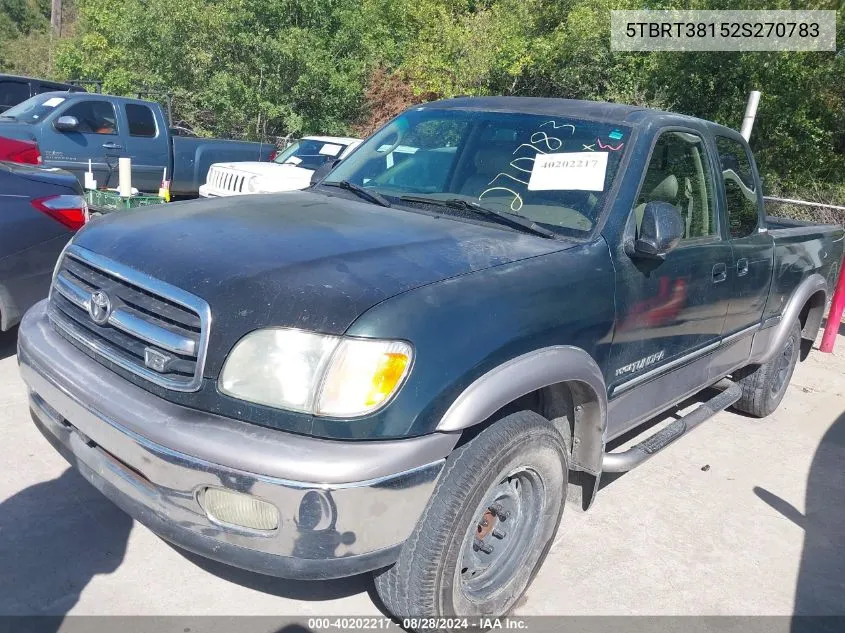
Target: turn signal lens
pixel 363 374
pixel 238 509
pixel 389 372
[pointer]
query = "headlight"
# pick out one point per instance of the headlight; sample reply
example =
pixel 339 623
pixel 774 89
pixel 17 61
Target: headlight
pixel 252 185
pixel 315 373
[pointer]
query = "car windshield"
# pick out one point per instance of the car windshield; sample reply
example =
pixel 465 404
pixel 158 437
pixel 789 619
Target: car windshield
pixel 310 153
pixel 35 108
pixel 554 171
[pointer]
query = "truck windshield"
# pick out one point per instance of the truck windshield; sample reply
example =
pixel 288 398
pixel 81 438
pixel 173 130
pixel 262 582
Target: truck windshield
pixel 310 153
pixel 554 171
pixel 34 109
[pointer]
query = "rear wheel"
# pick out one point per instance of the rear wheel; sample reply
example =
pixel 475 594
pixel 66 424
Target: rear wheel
pixel 488 526
pixel 763 386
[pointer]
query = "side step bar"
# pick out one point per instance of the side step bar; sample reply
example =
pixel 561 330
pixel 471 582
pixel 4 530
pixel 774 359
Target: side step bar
pixel 730 392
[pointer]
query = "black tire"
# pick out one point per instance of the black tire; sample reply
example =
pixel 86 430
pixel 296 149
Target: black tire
pixel 519 462
pixel 763 386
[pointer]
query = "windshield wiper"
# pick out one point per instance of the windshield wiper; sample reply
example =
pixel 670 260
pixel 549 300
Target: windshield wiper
pixel 512 219
pixel 361 192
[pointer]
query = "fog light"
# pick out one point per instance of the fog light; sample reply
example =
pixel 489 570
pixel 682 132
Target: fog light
pixel 238 509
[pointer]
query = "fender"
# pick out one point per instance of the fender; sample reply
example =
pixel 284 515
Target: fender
pixel 535 370
pixel 775 330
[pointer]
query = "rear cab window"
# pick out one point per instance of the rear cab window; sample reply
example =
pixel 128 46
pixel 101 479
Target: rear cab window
pixel 741 195
pixel 141 120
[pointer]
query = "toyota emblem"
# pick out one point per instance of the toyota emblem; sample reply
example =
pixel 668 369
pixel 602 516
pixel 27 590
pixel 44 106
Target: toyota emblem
pixel 99 307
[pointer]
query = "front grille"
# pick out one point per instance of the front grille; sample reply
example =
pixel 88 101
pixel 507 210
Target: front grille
pixel 122 316
pixel 226 180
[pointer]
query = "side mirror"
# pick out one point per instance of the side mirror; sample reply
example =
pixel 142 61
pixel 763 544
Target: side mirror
pixel 66 123
pixel 660 231
pixel 323 170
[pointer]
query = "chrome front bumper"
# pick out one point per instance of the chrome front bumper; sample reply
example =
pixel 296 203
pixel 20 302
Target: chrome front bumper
pixel 344 507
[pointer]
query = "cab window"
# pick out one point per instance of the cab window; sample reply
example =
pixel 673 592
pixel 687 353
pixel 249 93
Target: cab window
pixel 141 120
pixel 740 191
pixel 95 117
pixel 678 173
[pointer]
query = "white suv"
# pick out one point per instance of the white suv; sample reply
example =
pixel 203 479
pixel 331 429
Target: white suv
pixel 291 169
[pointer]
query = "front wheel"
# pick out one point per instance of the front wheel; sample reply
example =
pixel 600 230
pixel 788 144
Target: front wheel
pixel 488 526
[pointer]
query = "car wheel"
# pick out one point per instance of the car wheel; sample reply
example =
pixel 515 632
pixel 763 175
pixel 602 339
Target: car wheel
pixel 488 526
pixel 763 386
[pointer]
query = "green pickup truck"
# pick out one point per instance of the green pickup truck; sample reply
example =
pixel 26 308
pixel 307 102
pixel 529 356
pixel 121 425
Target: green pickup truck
pixel 409 368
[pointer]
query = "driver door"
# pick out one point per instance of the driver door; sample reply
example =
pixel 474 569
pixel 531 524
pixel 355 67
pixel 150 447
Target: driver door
pixel 97 138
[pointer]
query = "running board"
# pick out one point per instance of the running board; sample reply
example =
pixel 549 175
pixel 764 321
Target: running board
pixel 730 392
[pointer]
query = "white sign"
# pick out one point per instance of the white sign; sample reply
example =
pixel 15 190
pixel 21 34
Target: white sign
pixel 293 160
pixel 52 102
pixel 569 171
pixel 330 150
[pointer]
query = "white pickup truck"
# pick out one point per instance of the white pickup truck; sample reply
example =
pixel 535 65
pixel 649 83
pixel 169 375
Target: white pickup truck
pixel 290 170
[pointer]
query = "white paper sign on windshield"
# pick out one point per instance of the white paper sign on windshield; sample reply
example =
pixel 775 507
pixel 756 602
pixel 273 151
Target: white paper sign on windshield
pixel 293 160
pixel 569 171
pixel 52 102
pixel 330 149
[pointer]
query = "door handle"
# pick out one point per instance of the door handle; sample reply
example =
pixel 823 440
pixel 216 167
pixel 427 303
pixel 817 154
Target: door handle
pixel 741 267
pixel 111 145
pixel 720 273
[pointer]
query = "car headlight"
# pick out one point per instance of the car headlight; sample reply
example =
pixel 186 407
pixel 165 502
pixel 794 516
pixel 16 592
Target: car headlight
pixel 315 373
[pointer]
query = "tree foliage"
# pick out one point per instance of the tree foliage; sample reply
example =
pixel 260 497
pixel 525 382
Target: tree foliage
pixel 264 68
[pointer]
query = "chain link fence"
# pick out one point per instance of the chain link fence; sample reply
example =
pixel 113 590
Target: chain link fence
pixel 805 211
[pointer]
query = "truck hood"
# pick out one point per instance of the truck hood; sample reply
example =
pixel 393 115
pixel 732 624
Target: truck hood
pixel 298 259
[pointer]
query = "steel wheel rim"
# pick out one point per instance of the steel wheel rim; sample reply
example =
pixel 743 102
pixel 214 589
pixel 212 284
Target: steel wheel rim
pixel 492 553
pixel 783 366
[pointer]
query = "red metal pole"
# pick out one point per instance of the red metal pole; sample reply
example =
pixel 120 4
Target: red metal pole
pixel 834 317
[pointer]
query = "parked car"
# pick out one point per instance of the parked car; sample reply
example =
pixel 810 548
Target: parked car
pixel 410 367
pixel 71 129
pixel 41 210
pixel 290 170
pixel 14 89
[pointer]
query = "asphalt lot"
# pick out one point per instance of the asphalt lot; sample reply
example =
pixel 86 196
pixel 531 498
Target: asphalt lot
pixel 742 517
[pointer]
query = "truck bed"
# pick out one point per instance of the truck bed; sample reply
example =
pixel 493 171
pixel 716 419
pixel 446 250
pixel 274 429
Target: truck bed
pixel 802 249
pixel 192 156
